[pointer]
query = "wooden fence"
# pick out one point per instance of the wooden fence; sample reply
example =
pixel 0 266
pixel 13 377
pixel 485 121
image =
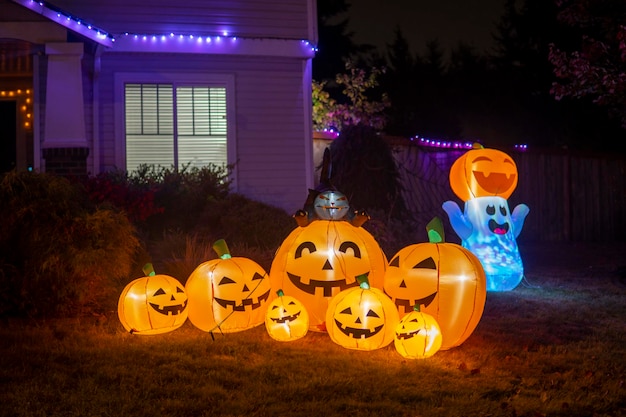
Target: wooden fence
pixel 572 197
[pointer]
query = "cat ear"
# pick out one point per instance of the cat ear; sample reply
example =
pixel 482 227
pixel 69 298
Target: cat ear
pixel 326 169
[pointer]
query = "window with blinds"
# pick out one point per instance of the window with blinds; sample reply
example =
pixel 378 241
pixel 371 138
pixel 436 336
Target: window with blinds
pixel 172 125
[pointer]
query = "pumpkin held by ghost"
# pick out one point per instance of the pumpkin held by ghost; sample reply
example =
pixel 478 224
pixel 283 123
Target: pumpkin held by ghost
pixel 362 318
pixel 229 293
pixel 286 318
pixel 418 335
pixel 483 172
pixel 153 304
pixel 317 261
pixel 446 280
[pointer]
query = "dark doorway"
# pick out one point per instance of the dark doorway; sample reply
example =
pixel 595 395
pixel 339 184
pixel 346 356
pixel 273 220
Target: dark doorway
pixel 8 130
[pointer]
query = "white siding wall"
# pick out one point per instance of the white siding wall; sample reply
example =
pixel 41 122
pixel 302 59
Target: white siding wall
pixel 274 165
pixel 287 19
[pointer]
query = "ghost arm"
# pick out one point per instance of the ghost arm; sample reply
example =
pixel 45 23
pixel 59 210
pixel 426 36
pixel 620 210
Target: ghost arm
pixel 518 216
pixel 461 224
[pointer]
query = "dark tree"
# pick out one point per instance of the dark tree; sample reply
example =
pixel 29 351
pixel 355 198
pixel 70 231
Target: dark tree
pixel 595 65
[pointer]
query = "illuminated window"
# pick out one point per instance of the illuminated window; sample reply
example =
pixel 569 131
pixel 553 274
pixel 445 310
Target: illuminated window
pixel 175 125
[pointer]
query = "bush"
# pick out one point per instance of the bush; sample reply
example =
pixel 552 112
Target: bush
pixel 363 168
pixel 59 254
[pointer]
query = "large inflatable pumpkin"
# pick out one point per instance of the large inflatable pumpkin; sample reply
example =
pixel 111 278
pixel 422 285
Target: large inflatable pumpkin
pixel 228 294
pixel 152 304
pixel 316 262
pixel 446 280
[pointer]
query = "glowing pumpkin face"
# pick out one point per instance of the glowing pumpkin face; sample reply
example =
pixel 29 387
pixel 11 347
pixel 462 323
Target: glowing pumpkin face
pixel 286 318
pixel 446 279
pixel 361 318
pixel 331 205
pixel 152 305
pixel 418 335
pixel 483 172
pixel 229 292
pixel 316 262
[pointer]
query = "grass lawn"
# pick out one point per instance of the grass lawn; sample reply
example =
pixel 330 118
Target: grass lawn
pixel 554 346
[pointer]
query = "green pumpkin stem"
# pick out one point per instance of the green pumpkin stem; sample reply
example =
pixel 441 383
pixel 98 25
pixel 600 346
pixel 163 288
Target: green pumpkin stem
pixel 148 269
pixel 221 248
pixel 416 307
pixel 280 293
pixel 435 231
pixel 363 281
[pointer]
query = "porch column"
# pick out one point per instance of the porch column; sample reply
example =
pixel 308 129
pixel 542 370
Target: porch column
pixel 64 128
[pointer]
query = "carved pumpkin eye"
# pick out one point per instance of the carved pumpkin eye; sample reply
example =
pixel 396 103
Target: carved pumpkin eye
pixel 346 311
pixel 226 280
pixel 309 246
pixel 350 245
pixel 160 291
pixel 428 263
pixel 372 313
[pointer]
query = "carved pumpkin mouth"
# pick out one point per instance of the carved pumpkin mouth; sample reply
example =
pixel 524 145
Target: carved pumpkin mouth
pixel 313 284
pixel 495 182
pixel 357 333
pixel 174 310
pixel 241 306
pixel 408 335
pixel 286 319
pixel 497 228
pixel 408 304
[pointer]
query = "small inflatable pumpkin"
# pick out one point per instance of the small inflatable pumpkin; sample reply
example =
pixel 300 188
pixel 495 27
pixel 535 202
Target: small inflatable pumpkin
pixel 286 318
pixel 152 304
pixel 418 335
pixel 362 318
pixel 229 293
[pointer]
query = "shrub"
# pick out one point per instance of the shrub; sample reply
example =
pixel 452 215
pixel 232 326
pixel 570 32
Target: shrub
pixel 59 254
pixel 363 168
pixel 182 194
pixel 245 222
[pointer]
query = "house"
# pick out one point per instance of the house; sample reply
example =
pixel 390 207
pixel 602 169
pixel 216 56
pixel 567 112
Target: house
pixel 88 86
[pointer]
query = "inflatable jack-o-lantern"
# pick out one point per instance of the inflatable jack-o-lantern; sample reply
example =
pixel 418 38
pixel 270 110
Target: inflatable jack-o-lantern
pixel 362 318
pixel 483 172
pixel 152 304
pixel 484 179
pixel 228 294
pixel 446 280
pixel 286 318
pixel 316 262
pixel 418 335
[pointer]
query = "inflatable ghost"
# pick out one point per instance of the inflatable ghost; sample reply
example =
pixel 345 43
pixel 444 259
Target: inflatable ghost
pixel 484 179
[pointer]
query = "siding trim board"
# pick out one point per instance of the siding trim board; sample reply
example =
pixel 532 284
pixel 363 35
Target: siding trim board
pixel 214 45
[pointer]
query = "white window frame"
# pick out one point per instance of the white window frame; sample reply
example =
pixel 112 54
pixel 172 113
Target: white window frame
pixel 177 80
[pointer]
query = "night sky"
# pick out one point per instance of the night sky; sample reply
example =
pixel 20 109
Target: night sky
pixel 473 21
